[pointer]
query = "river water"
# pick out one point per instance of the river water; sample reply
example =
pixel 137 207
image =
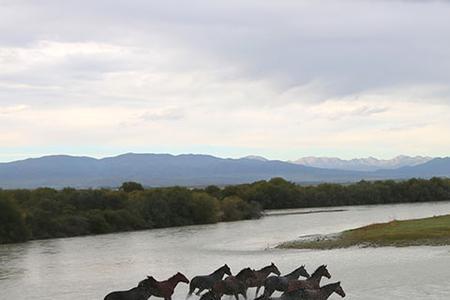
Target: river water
pixel 90 267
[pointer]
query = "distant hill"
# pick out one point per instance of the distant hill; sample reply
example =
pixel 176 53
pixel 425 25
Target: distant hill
pixel 154 170
pixel 362 164
pixel 439 167
pixel 187 170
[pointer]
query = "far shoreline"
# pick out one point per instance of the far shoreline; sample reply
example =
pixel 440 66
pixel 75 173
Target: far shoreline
pixel 432 231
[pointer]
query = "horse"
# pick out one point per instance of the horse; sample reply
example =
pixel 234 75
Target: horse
pixel 233 285
pixel 280 283
pixel 261 275
pixel 141 292
pixel 206 282
pixel 164 289
pixel 312 282
pixel 322 293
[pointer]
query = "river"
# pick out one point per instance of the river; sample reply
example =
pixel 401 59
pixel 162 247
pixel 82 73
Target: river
pixel 89 267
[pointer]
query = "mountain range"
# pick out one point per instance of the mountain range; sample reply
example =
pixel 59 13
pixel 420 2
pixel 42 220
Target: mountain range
pixel 362 164
pixel 187 170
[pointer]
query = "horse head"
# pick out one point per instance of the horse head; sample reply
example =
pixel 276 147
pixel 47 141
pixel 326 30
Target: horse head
pixel 274 269
pixel 302 271
pixel 226 269
pixel 323 271
pixel 181 278
pixel 339 290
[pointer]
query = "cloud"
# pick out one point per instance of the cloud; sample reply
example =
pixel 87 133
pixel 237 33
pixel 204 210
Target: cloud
pixel 168 114
pixel 335 110
pixel 280 76
pixel 12 109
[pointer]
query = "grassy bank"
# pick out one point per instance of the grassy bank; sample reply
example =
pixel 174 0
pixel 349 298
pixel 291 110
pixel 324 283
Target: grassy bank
pixel 433 231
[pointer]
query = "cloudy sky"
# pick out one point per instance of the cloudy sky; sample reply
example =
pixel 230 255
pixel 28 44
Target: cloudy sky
pixel 282 79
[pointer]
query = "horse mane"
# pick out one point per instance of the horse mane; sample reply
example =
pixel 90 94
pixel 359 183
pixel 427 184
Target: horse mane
pixel 330 285
pixel 174 276
pixel 150 280
pixel 317 270
pixel 241 272
pixel 330 288
pixel 295 271
pixel 265 268
pixel 220 269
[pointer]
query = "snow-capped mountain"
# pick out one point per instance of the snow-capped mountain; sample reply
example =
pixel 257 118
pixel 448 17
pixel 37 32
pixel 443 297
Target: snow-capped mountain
pixel 362 164
pixel 255 157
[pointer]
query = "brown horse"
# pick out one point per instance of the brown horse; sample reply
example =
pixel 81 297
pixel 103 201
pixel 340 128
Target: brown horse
pixel 164 289
pixel 141 292
pixel 312 282
pixel 234 285
pixel 261 275
pixel 206 282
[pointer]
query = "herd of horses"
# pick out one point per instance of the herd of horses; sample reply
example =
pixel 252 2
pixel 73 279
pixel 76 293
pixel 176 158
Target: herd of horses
pixel 214 286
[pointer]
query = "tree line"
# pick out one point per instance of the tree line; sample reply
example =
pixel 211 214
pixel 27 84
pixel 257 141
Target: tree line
pixel 47 213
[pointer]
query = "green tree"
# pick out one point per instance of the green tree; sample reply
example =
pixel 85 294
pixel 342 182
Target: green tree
pixel 234 208
pixel 205 208
pixel 131 186
pixel 12 224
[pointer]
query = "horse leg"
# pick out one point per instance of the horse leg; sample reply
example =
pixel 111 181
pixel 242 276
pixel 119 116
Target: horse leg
pixel 268 292
pixel 191 290
pixel 257 290
pixel 244 294
pixel 199 291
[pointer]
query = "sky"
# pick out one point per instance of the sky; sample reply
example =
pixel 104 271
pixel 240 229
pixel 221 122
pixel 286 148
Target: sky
pixel 281 79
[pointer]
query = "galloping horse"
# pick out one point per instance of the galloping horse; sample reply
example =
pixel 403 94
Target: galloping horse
pixel 261 275
pixel 281 283
pixel 164 289
pixel 312 282
pixel 234 285
pixel 206 282
pixel 141 292
pixel 322 293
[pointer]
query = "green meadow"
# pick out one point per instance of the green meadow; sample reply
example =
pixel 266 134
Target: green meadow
pixel 434 231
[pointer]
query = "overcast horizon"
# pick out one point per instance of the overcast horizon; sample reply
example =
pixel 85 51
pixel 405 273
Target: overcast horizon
pixel 280 79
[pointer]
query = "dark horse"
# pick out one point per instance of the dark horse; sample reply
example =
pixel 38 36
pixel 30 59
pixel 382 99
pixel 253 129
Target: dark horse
pixel 233 285
pixel 281 283
pixel 322 293
pixel 141 292
pixel 164 289
pixel 312 282
pixel 261 275
pixel 206 282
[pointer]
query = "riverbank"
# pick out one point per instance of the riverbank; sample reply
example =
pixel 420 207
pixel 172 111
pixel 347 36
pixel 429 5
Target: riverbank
pixel 434 231
pixel 46 213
